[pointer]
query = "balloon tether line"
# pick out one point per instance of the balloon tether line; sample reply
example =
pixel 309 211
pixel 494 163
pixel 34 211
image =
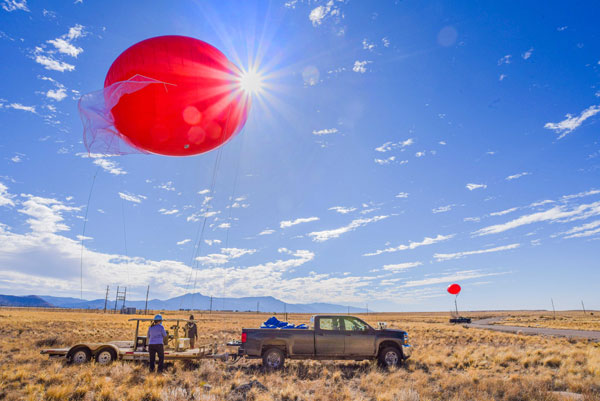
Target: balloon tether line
pixel 87 207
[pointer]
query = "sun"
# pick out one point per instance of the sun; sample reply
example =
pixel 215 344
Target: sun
pixel 251 82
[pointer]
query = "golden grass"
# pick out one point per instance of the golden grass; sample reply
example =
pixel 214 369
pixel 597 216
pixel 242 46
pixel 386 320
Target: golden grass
pixel 448 363
pixel 575 320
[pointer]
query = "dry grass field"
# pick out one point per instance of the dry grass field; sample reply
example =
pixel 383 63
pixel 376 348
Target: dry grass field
pixel 448 363
pixel 564 320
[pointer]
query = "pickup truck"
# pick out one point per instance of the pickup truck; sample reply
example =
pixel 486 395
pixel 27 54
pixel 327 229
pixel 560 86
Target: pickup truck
pixel 330 337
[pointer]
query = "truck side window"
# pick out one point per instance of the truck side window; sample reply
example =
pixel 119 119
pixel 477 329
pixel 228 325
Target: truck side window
pixel 351 324
pixel 329 323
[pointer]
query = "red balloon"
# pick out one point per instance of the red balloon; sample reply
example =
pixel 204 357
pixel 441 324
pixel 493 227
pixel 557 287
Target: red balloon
pixel 454 289
pixel 196 110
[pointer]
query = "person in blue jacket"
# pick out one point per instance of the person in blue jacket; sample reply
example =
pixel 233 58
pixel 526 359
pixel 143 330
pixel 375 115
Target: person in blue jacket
pixel 156 336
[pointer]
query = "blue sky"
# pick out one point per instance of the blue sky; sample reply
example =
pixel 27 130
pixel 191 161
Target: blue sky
pixel 397 147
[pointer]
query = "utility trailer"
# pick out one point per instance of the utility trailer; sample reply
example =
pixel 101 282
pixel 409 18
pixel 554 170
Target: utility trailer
pixel 177 348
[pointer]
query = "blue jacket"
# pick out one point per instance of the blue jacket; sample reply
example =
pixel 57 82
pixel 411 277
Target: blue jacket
pixel 156 334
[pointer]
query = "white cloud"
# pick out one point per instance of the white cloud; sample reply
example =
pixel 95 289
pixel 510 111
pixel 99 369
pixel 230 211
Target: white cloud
pixel 319 14
pixel 224 225
pixel 326 131
pixel 503 212
pixel 412 245
pixel 386 42
pixel 204 192
pixel 501 78
pixel 57 94
pixel 131 198
pixel 168 212
pixel 12 5
pixel 184 241
pixel 6 199
pixel 557 213
pixel 109 166
pixel 449 278
pixel 393 145
pixel 19 106
pixel 401 266
pixel 570 123
pixel 361 66
pixel 518 175
pixel 585 230
pixel 527 54
pixel 342 209
pixel 505 59
pixel 322 236
pixel 168 186
pixel 226 255
pixel 448 256
pixel 266 232
pixel 443 209
pixel 474 219
pixel 471 187
pixel 402 195
pixel 420 154
pixel 16 159
pixel 367 45
pixel 51 63
pixel 290 223
pixel 382 162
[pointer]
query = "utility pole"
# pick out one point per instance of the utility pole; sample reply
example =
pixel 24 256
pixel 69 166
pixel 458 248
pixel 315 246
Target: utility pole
pixel 210 311
pixel 367 309
pixel 348 310
pixel 257 307
pixel 583 306
pixel 116 299
pixel 553 310
pixel 146 307
pixel 106 299
pixel 285 311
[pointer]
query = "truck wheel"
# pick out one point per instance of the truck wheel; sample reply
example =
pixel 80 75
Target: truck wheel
pixel 389 356
pixel 79 355
pixel 106 356
pixel 273 359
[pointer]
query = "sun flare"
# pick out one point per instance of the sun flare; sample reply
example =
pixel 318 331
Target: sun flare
pixel 251 82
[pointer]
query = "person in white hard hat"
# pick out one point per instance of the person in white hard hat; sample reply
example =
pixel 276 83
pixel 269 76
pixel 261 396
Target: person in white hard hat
pixel 156 336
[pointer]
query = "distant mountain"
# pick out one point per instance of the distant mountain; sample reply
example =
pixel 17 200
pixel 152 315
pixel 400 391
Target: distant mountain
pixel 31 301
pixel 203 302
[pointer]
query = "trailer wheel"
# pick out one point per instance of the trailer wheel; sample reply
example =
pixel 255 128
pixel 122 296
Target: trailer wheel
pixel 106 356
pixel 390 356
pixel 79 355
pixel 273 358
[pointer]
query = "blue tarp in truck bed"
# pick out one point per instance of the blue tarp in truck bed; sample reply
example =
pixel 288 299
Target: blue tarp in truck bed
pixel 274 323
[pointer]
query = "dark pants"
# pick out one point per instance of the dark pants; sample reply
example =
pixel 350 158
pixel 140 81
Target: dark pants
pixel 160 350
pixel 192 342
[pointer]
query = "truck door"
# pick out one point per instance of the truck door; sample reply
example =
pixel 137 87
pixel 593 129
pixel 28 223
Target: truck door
pixel 359 337
pixel 329 337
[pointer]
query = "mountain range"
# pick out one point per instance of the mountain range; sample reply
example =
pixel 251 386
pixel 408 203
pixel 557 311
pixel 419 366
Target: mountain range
pixel 187 301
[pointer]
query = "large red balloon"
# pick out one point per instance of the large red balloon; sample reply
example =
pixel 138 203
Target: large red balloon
pixel 196 110
pixel 454 289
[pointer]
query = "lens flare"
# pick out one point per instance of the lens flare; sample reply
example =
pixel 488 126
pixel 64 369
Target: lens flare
pixel 251 82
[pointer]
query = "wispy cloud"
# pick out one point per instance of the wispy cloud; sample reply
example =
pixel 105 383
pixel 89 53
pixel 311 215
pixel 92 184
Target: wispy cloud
pixel 6 198
pixel 471 187
pixel 322 236
pixel 167 211
pixel 449 278
pixel 290 223
pixel 62 45
pixel 412 245
pixel 554 214
pixel 503 212
pixel 18 106
pixel 326 131
pixel 266 232
pixel 570 123
pixel 518 175
pixel 448 256
pixel 109 166
pixel 226 255
pixel 585 230
pixel 527 54
pixel 184 241
pixel 12 5
pixel 401 266
pixel 321 13
pixel 443 209
pixel 342 209
pixel 361 66
pixel 505 59
pixel 402 195
pixel 131 197
pixel 386 147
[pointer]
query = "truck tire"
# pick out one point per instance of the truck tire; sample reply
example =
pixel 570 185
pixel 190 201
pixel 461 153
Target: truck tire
pixel 79 355
pixel 389 356
pixel 273 358
pixel 106 356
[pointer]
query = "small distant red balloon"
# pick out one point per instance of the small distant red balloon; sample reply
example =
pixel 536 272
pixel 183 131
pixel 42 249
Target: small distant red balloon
pixel 454 289
pixel 196 109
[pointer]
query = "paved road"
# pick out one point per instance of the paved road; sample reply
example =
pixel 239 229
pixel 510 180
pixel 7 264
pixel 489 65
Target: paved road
pixel 487 324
